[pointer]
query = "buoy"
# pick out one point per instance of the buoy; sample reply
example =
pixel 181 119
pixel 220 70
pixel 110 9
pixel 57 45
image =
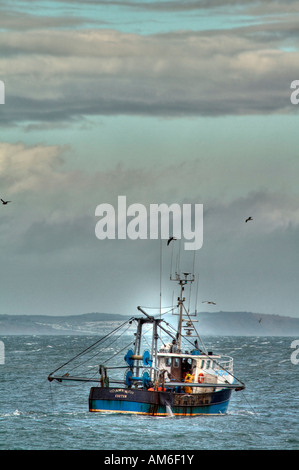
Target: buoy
pixel 201 378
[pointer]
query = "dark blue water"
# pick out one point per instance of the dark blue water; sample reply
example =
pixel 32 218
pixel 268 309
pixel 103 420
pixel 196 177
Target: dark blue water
pixel 39 415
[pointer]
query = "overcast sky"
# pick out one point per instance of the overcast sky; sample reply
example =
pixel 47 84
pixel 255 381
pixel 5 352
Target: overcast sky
pixel 169 101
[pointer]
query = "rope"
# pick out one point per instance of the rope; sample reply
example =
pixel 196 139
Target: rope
pixel 91 346
pixel 114 355
pixel 249 404
pixel 99 352
pixel 214 360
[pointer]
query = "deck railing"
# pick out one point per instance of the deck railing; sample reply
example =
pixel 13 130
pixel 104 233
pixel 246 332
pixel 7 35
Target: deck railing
pixel 225 363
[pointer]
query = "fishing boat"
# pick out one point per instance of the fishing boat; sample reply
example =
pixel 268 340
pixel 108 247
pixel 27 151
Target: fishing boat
pixel 174 375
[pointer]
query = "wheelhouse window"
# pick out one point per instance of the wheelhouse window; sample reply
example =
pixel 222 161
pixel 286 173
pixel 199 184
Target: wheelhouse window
pixel 176 362
pixel 168 361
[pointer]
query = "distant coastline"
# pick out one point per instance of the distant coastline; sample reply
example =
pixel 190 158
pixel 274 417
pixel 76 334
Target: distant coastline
pixel 214 323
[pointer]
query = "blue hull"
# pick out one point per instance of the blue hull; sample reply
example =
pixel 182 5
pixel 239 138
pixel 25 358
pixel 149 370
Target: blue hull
pixel 134 401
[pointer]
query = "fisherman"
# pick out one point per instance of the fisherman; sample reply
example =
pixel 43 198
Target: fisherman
pixel 174 347
pixel 186 367
pixel 196 350
pixel 189 379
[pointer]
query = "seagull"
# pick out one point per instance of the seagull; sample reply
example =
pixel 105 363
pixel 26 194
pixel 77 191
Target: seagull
pixel 249 218
pixel 4 202
pixel 170 240
pixel 208 302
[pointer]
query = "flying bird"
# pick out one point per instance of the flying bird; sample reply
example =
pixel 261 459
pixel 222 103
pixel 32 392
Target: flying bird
pixel 249 218
pixel 4 202
pixel 208 302
pixel 170 240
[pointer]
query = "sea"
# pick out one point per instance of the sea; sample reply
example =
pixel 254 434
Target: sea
pixel 36 414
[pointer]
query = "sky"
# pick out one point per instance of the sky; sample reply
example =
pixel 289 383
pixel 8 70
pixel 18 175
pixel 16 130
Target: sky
pixel 162 102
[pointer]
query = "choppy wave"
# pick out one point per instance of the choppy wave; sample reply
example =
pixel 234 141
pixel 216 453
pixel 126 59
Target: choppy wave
pixel 36 414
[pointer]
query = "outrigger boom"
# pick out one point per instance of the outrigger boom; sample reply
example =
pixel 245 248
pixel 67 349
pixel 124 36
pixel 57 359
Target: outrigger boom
pixel 170 385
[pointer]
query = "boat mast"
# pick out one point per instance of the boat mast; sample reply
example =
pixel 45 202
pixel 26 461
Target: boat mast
pixel 188 277
pixel 138 344
pixel 181 300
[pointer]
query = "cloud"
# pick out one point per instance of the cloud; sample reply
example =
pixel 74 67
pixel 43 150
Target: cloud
pixel 21 21
pixel 189 5
pixel 272 212
pixel 29 168
pixel 59 76
pixel 48 241
pixel 54 206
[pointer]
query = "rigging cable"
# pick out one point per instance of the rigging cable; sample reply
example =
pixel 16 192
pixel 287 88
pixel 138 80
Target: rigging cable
pixel 196 295
pixel 91 346
pixel 160 277
pixel 118 352
pixel 99 352
pixel 207 354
